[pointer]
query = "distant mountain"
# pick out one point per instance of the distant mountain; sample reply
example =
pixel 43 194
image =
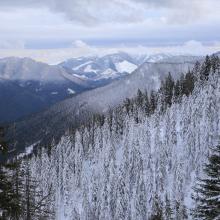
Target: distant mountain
pixel 102 70
pixel 27 86
pixel 154 58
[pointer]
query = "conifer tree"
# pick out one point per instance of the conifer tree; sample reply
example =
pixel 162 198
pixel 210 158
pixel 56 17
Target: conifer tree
pixel 140 98
pixel 207 190
pixel 146 104
pixel 168 90
pixel 9 199
pixel 205 69
pixel 153 101
pixel 188 83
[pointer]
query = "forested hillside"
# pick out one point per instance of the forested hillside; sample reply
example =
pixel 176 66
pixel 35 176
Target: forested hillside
pixel 140 161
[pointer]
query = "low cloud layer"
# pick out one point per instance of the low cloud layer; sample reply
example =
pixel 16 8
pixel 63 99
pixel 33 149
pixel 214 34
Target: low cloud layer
pixel 80 48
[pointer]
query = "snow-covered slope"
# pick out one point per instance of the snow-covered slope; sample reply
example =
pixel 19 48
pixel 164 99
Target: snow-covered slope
pixel 148 168
pixel 113 66
pixel 27 86
pixel 24 69
pixel 72 111
pixel 96 68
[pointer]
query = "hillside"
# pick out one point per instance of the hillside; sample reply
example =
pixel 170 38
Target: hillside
pixel 27 87
pixel 53 122
pixel 124 168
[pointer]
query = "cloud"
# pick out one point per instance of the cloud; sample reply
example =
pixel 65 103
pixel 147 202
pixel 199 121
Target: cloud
pixel 94 12
pixel 57 23
pixel 80 44
pixel 12 44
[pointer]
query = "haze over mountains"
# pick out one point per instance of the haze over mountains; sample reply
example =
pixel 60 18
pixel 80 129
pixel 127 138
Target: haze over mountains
pixel 27 86
pixel 71 112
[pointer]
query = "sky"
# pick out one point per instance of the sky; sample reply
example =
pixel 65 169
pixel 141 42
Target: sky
pixel 55 30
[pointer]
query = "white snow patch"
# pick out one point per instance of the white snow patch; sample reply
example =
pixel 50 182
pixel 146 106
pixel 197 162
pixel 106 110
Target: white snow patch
pixel 89 69
pixel 108 72
pixel 80 76
pixel 125 66
pixel 71 91
pixel 81 65
pixel 54 93
pixel 28 150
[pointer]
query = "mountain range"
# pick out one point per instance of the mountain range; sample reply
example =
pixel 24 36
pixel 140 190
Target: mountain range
pixel 109 67
pixel 27 86
pixel 73 111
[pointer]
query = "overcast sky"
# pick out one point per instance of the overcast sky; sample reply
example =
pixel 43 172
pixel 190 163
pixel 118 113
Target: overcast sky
pixel 53 30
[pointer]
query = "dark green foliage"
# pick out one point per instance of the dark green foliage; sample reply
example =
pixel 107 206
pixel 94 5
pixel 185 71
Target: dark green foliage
pixel 9 197
pixel 205 69
pixel 188 83
pixel 153 101
pixel 140 98
pixel 146 104
pixel 127 105
pixel 3 144
pixel 207 190
pixel 167 90
pixel 215 62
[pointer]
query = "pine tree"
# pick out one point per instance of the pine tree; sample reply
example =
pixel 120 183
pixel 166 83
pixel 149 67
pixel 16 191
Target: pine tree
pixel 206 68
pixel 177 90
pixel 34 201
pixel 9 200
pixel 215 62
pixel 153 101
pixel 146 104
pixel 140 98
pixel 207 190
pixel 188 83
pixel 168 89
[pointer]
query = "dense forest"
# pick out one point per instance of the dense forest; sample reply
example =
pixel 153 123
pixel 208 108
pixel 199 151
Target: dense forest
pixel 141 160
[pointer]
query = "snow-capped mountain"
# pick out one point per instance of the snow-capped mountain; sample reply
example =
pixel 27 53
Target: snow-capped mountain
pixel 153 58
pixel 104 68
pixel 27 86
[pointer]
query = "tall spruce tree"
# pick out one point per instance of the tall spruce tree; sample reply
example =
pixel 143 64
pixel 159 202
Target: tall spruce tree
pixel 207 190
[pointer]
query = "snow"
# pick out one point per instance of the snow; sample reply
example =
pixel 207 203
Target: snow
pixel 81 65
pixel 108 72
pixel 89 68
pixel 125 66
pixel 28 150
pixel 54 93
pixel 71 91
pixel 160 156
pixel 80 76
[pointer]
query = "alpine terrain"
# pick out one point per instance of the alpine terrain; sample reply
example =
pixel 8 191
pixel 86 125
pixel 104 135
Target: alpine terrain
pixel 138 159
